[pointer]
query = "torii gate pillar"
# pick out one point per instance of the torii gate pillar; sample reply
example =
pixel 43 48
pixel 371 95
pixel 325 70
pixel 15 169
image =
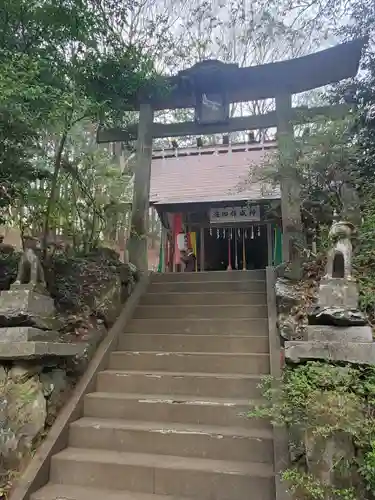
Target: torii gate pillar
pixel 290 189
pixel 138 241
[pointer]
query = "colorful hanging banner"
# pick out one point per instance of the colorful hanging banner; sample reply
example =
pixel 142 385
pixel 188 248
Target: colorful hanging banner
pixel 277 246
pixel 170 255
pixel 243 250
pixel 192 243
pixel 177 230
pixel 229 268
pixel 161 258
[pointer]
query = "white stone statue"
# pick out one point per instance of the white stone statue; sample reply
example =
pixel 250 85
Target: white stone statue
pixel 30 270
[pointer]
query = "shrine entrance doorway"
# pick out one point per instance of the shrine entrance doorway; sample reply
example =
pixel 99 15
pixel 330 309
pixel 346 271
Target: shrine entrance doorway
pixel 236 248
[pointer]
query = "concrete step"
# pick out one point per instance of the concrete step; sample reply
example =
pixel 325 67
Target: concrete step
pixel 192 343
pixel 69 492
pixel 207 286
pixel 179 383
pixel 236 326
pixel 191 312
pixel 164 438
pixel 174 409
pixel 210 276
pixel 203 298
pixel 190 362
pixel 202 479
pixel 168 420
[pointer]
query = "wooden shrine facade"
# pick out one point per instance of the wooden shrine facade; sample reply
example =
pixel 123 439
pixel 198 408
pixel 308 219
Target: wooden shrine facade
pixel 215 197
pixel 240 235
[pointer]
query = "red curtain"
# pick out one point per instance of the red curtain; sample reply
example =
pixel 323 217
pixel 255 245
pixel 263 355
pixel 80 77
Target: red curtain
pixel 177 229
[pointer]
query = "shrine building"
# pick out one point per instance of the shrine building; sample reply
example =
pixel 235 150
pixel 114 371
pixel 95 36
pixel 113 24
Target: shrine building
pixel 211 199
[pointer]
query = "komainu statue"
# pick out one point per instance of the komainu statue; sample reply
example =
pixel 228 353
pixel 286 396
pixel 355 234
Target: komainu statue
pixel 339 258
pixel 30 270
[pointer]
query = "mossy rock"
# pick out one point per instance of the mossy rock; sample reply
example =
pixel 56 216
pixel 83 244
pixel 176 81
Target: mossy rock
pixel 82 281
pixel 77 282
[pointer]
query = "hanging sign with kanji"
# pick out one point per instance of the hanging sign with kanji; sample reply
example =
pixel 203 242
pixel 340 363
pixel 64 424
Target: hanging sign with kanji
pixel 250 213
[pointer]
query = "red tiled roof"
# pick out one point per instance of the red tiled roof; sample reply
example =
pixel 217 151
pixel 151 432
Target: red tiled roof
pixel 215 175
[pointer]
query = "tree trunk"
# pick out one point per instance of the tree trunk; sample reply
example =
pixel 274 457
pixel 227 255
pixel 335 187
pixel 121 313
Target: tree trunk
pixel 52 196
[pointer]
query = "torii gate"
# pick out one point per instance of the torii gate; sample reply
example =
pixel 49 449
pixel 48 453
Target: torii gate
pixel 210 87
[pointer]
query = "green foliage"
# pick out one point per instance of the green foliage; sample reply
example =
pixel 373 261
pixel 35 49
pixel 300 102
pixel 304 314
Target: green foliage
pixel 367 469
pixel 362 23
pixel 8 269
pixel 324 401
pixel 297 400
pixel 93 199
pixel 320 160
pixel 21 98
pixel 60 63
pixel 364 256
pixel 305 486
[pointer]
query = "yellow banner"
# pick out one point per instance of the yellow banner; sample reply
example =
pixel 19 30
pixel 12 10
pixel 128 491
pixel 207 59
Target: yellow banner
pixel 193 242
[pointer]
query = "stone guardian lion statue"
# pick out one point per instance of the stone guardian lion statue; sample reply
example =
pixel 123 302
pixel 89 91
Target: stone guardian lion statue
pixel 30 270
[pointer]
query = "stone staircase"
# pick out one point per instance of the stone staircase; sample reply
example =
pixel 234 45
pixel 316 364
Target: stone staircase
pixel 166 421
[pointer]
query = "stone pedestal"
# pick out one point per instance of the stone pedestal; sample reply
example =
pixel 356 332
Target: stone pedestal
pixel 26 334
pixel 337 330
pixel 352 344
pixel 35 350
pixel 338 292
pixel 337 304
pixel 350 352
pixel 336 316
pixel 326 333
pixel 24 306
pixel 29 326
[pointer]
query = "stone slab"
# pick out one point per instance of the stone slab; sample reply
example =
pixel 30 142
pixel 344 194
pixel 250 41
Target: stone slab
pixel 338 292
pixel 24 298
pixel 37 287
pixel 323 333
pixel 33 350
pixel 24 307
pixel 26 333
pixel 351 352
pixel 336 316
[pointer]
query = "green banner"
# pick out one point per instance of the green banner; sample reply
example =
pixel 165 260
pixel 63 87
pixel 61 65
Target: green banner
pixel 161 258
pixel 277 246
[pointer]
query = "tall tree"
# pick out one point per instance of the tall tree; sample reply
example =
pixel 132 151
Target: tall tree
pixel 362 24
pixel 60 63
